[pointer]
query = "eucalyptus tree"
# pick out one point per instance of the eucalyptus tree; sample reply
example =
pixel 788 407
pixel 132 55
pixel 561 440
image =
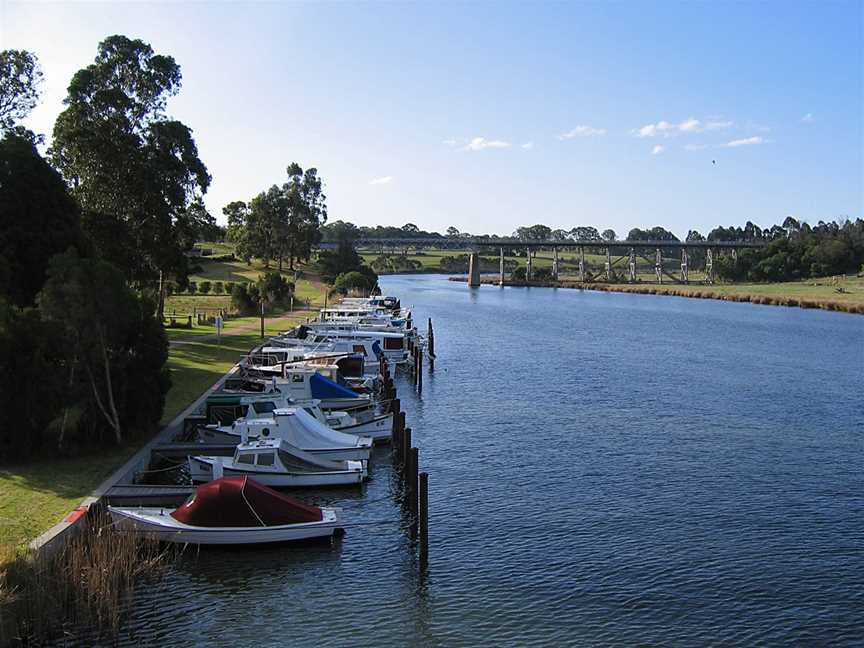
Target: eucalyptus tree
pixel 133 169
pixel 20 78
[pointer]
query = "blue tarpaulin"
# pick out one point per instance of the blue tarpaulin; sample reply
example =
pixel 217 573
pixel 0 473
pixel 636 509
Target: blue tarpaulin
pixel 325 388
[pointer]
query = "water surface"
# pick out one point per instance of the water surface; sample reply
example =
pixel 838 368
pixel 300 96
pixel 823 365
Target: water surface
pixel 605 469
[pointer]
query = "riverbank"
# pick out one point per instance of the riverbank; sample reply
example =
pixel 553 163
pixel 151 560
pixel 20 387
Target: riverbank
pixel 845 294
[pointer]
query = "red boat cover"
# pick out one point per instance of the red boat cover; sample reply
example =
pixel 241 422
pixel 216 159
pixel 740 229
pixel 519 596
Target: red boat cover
pixel 242 502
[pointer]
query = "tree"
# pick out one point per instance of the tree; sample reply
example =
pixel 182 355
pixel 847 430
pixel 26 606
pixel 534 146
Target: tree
pixel 133 170
pixel 452 232
pixel 585 234
pixel 38 219
pixel 20 78
pixel 112 336
pixel 354 280
pixel 609 235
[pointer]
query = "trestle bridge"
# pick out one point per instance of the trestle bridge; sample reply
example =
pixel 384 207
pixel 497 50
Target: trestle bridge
pixel 618 253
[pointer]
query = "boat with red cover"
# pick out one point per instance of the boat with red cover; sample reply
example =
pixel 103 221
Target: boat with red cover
pixel 231 510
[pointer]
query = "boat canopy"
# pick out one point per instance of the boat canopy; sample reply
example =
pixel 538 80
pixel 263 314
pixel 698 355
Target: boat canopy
pixel 242 502
pixel 324 388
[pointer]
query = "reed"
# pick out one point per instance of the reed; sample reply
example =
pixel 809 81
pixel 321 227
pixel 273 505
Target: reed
pixel 79 591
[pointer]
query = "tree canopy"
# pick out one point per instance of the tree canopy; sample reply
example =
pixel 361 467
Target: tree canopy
pixel 20 78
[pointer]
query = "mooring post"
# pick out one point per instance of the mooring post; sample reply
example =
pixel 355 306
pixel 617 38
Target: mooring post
pixel 412 479
pixel 709 266
pixel 406 445
pixel 501 269
pixel 395 408
pixel 423 505
pixel 685 275
pixel 632 265
pixel 658 265
pixel 582 263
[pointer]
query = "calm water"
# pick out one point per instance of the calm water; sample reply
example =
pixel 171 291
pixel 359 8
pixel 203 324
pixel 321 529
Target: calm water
pixel 605 469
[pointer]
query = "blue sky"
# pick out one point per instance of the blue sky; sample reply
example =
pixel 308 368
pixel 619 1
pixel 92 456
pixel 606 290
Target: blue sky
pixel 486 116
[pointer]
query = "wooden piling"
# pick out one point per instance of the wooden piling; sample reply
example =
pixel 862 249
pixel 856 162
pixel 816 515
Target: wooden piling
pixel 395 408
pixel 413 464
pixel 406 446
pixel 419 370
pixel 423 515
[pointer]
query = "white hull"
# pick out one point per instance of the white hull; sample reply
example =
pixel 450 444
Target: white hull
pixel 210 435
pixel 158 524
pixel 201 470
pixel 378 429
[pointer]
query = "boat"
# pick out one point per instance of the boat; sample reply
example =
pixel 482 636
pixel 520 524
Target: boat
pixel 274 462
pixel 230 511
pixel 296 427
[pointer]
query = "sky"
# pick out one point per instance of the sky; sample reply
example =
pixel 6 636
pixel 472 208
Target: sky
pixel 487 116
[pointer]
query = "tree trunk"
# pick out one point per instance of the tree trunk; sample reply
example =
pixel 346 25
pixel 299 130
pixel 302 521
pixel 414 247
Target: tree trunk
pixel 160 307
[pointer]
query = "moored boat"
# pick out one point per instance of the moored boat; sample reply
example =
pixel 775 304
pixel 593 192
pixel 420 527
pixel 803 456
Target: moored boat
pixel 232 510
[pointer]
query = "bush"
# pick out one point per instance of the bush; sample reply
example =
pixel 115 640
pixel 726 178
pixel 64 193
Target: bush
pixel 518 274
pixel 204 287
pixel 193 288
pixel 218 288
pixel 170 288
pixel 275 288
pixel 354 280
pixel 542 274
pixel 228 287
pixel 241 300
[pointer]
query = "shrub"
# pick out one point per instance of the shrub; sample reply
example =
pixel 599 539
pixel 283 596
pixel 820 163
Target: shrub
pixel 542 274
pixel 275 288
pixel 193 288
pixel 228 287
pixel 241 300
pixel 354 280
pixel 204 287
pixel 170 288
pixel 518 274
pixel 218 288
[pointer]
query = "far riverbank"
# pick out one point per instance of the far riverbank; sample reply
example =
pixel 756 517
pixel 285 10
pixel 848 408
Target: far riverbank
pixel 844 294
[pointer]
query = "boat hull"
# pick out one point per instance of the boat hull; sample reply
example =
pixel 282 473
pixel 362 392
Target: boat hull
pixel 379 428
pixel 156 523
pixel 209 435
pixel 201 470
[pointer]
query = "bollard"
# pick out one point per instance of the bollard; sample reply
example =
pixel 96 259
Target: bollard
pixel 406 445
pixel 413 464
pixel 423 514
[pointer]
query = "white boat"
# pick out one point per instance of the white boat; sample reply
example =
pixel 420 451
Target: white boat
pixel 275 463
pixel 296 427
pixel 230 511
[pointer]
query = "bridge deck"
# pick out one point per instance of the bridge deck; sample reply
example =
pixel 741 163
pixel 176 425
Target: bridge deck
pixel 472 243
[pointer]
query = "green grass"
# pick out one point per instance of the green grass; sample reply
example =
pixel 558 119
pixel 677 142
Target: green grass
pixel 37 495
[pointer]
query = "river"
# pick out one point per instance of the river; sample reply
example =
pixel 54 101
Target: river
pixel 605 469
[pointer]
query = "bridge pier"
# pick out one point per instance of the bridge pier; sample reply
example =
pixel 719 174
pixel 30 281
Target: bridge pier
pixel 632 265
pixel 582 263
pixel 685 275
pixel 474 270
pixel 501 269
pixel 555 264
pixel 658 265
pixel 608 263
pixel 709 266
pixel 528 269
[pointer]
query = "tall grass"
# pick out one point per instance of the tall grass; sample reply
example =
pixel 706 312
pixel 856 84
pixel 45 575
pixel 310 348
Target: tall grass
pixel 80 591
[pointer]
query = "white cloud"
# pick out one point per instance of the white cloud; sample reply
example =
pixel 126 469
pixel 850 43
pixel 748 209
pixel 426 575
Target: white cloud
pixel 582 131
pixel 381 181
pixel 695 147
pixel 657 150
pixel 652 130
pixel 808 118
pixel 528 146
pixel 691 125
pixel 449 142
pixel 744 142
pixel 481 143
